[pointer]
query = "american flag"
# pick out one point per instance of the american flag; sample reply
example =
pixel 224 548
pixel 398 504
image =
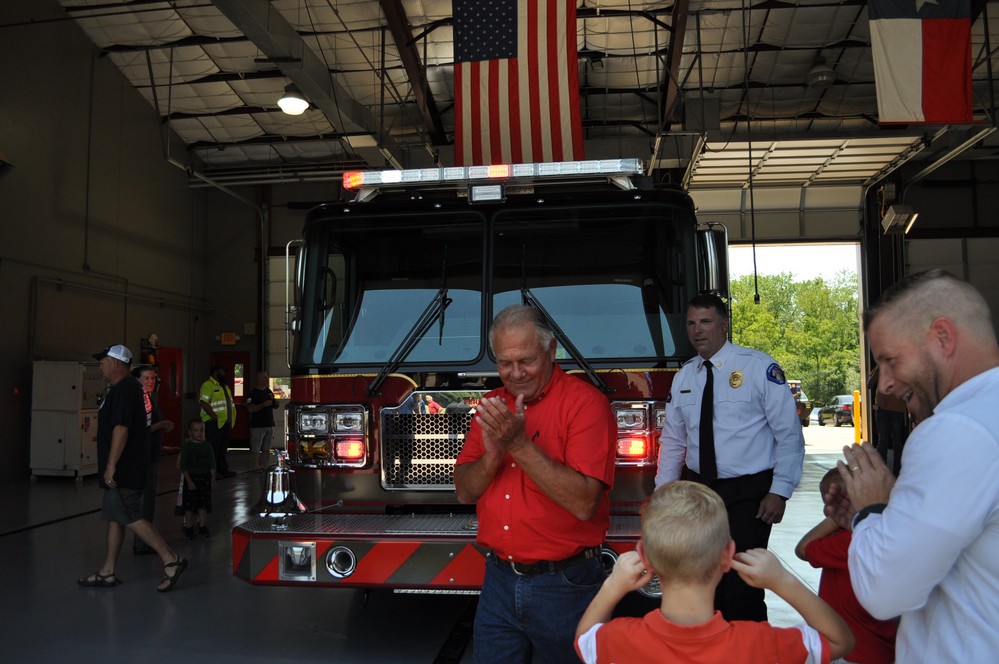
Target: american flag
pixel 516 81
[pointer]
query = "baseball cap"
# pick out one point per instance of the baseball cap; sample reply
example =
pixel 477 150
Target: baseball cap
pixel 118 352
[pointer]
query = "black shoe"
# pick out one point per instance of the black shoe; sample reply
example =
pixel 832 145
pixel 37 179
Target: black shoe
pixel 203 533
pixel 142 551
pixel 188 532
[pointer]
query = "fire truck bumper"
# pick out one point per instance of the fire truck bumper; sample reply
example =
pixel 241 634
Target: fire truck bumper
pixel 406 553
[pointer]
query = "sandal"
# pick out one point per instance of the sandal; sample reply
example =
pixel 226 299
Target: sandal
pixel 179 565
pixel 98 580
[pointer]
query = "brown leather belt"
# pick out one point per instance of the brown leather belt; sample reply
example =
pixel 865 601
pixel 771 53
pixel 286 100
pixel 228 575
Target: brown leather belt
pixel 548 566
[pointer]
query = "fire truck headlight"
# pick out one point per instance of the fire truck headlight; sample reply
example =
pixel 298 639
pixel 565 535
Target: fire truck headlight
pixel 313 422
pixel 350 450
pixel 631 447
pixel 631 418
pixel 351 422
pixel 660 418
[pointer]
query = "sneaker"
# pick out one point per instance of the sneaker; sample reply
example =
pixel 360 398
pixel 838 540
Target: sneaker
pixel 203 533
pixel 188 532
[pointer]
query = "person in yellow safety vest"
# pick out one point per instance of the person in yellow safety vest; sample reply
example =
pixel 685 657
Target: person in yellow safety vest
pixel 219 415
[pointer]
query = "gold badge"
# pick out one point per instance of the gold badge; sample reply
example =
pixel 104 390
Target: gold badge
pixel 735 378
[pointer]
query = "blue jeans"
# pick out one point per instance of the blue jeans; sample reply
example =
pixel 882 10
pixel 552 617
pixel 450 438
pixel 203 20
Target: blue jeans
pixel 518 616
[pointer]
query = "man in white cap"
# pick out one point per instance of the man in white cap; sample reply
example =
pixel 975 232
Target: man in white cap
pixel 122 458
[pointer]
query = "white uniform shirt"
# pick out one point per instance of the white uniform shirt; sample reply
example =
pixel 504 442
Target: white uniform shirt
pixel 755 420
pixel 932 556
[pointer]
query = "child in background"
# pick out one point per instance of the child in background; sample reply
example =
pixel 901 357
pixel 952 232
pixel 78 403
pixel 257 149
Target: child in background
pixel 686 541
pixel 826 546
pixel 197 463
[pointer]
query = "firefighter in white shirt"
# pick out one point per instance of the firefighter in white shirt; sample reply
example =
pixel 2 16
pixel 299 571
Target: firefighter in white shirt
pixel 755 460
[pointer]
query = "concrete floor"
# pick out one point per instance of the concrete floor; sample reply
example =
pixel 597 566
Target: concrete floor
pixel 51 534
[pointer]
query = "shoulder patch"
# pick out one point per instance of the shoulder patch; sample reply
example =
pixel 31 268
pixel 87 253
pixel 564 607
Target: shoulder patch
pixel 775 374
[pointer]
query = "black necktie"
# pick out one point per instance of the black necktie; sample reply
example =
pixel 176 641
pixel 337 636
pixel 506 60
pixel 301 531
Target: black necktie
pixel 709 470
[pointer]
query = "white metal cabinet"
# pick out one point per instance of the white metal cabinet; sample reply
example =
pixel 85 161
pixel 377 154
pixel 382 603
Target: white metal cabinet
pixel 64 418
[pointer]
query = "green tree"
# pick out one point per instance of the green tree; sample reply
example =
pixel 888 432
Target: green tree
pixel 811 328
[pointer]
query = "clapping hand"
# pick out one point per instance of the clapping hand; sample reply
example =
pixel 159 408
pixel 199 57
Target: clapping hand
pixel 501 429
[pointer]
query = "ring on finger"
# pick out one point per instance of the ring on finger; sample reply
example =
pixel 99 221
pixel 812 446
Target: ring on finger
pixel 854 469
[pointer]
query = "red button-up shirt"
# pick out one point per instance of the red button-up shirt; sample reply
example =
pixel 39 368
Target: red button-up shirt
pixel 572 423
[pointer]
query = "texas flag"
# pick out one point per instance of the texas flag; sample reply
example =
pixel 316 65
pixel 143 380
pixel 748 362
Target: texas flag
pixel 922 60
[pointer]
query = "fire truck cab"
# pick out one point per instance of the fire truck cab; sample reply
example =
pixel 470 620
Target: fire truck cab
pixel 394 294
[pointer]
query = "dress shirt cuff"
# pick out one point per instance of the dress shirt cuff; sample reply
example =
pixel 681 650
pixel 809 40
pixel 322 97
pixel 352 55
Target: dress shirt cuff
pixel 876 508
pixel 782 488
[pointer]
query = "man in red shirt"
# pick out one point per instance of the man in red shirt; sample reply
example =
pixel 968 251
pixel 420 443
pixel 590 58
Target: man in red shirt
pixel 539 460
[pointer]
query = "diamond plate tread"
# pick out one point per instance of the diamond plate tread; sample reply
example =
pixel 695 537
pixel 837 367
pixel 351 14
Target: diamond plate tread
pixel 400 525
pixel 370 525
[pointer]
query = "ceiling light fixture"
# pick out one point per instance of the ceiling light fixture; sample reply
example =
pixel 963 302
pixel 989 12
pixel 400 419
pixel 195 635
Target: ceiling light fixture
pixel 899 218
pixel 293 102
pixel 821 76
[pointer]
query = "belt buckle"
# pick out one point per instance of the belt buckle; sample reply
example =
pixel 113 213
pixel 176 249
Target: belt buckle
pixel 513 566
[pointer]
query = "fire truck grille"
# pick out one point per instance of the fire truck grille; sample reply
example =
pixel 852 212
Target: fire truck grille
pixel 418 451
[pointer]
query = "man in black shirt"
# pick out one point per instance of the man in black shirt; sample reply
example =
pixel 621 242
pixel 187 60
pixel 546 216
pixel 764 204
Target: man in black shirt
pixel 261 404
pixel 123 450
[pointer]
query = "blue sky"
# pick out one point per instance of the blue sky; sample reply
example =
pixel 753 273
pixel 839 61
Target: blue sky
pixel 803 261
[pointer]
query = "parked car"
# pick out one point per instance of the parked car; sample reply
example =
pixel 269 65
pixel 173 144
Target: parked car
pixel 838 411
pixel 801 401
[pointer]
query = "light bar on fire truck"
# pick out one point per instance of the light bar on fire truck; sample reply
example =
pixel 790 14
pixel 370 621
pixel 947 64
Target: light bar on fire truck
pixel 609 168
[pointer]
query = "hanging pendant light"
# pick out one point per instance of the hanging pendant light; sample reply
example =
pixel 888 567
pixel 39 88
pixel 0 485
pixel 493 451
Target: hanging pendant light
pixel 293 102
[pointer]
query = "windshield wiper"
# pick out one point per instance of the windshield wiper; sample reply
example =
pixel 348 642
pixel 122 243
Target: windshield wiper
pixel 530 300
pixel 433 312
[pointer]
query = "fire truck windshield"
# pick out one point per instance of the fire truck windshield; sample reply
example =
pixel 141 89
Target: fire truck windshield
pixel 614 280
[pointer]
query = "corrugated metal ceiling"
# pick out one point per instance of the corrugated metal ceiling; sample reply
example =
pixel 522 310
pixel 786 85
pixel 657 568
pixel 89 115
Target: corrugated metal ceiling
pixel 214 70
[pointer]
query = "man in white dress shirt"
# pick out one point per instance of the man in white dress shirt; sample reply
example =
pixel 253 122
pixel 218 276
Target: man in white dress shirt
pixel 926 546
pixel 745 443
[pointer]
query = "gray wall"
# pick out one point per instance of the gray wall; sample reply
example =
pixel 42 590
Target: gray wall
pixel 103 240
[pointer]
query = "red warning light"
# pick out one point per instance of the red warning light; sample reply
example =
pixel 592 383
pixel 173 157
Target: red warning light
pixel 353 179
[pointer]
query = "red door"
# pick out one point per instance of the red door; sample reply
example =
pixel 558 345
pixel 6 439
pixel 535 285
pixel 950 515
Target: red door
pixel 237 366
pixel 170 362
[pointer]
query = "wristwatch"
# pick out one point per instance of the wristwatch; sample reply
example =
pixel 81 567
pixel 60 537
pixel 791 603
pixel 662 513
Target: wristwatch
pixel 876 508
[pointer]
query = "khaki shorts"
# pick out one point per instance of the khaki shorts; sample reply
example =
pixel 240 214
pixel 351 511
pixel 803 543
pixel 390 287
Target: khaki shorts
pixel 260 440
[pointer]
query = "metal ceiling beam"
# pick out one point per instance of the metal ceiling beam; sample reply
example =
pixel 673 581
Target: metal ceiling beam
pixel 191 40
pixel 267 139
pixel 955 151
pixel 395 16
pixel 670 84
pixel 220 77
pixel 673 55
pixel 276 38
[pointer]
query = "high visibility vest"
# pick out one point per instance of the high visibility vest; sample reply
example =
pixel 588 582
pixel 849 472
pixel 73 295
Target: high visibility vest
pixel 219 398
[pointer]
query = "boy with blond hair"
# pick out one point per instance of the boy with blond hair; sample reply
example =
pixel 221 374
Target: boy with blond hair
pixel 686 541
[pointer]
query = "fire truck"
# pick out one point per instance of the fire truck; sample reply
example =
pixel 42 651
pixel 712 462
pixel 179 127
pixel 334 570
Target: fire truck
pixel 389 315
